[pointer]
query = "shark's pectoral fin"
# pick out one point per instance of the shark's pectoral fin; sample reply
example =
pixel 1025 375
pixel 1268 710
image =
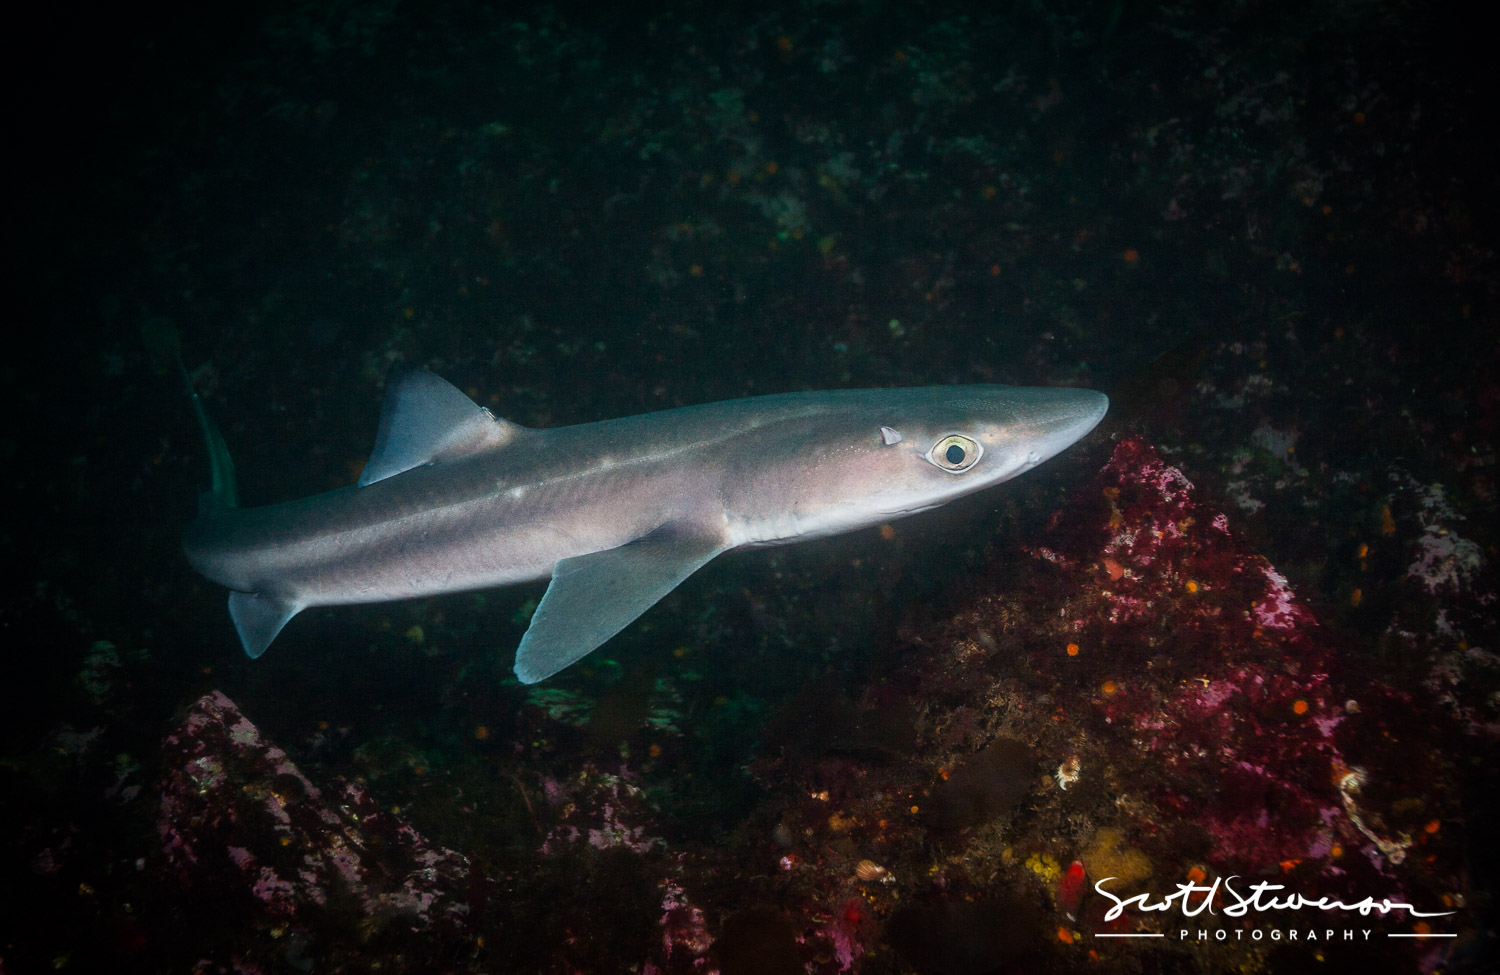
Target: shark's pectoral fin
pixel 593 597
pixel 258 617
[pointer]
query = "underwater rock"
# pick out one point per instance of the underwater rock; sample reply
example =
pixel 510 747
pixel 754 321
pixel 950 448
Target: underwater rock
pixel 758 941
pixel 605 810
pixel 237 816
pixel 968 937
pixel 987 786
pixel 1199 639
pixel 1201 722
pixel 684 932
pixel 822 720
pixel 1146 650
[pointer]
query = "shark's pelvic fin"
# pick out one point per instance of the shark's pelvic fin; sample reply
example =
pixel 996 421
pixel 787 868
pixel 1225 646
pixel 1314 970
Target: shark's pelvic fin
pixel 426 420
pixel 593 597
pixel 258 617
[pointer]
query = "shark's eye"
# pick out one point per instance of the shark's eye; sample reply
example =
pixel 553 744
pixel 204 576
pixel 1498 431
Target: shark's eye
pixel 955 453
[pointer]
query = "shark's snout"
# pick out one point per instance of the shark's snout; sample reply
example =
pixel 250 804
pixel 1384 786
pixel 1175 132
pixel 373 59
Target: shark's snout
pixel 1089 407
pixel 1063 418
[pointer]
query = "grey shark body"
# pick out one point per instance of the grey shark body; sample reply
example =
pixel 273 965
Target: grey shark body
pixel 617 513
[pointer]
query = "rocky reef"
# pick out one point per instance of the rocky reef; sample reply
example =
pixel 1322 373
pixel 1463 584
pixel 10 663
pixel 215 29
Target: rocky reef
pixel 1139 708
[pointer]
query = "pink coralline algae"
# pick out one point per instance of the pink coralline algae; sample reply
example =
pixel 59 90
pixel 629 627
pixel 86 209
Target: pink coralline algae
pixel 845 934
pixel 1199 710
pixel 684 933
pixel 1444 559
pixel 1220 676
pixel 234 805
pixel 604 810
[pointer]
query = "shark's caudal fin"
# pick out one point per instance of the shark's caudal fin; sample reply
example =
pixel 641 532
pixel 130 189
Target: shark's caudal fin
pixel 257 618
pixel 161 338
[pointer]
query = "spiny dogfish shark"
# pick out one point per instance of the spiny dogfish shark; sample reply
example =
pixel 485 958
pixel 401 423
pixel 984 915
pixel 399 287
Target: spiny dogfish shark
pixel 616 513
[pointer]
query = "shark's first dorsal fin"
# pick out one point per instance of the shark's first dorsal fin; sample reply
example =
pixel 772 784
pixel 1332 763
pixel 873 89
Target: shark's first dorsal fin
pixel 427 419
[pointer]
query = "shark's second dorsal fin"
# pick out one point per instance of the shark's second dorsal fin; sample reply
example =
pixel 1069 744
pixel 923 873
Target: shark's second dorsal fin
pixel 427 419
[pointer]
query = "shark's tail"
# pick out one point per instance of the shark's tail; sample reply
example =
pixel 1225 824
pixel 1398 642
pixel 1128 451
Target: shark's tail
pixel 161 337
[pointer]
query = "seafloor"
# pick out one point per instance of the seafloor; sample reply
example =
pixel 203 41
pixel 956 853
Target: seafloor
pixel 1244 634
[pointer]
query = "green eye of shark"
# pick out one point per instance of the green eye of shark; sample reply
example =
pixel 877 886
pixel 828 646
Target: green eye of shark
pixel 955 453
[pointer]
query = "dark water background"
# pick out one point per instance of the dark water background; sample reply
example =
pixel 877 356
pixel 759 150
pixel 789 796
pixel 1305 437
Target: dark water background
pixel 1257 225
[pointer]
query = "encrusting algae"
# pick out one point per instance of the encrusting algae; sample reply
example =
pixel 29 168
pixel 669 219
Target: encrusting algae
pixel 1108 856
